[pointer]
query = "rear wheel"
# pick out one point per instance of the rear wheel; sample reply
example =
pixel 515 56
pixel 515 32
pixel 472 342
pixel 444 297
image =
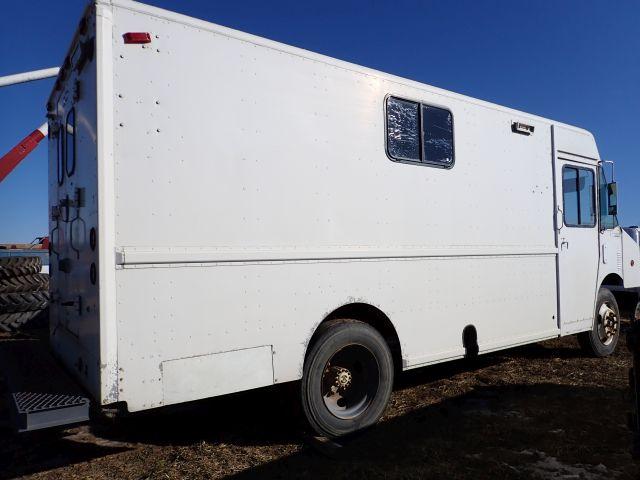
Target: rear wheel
pixel 348 378
pixel 602 339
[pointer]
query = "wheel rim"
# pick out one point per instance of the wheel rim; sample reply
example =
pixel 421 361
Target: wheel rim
pixel 350 381
pixel 608 324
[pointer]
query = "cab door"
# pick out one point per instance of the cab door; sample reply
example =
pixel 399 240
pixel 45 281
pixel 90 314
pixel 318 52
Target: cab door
pixel 578 254
pixel 610 232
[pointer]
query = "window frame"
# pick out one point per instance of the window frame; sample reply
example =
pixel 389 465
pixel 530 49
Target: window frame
pixel 422 161
pixel 60 163
pixel 593 197
pixel 601 175
pixel 66 146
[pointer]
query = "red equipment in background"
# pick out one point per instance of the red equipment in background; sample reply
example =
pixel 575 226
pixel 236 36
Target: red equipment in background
pixel 18 153
pixel 14 156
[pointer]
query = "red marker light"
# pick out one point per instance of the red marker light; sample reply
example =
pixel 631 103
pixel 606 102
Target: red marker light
pixel 137 37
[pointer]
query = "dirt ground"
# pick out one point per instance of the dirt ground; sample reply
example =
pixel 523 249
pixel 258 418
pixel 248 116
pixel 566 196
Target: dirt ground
pixel 540 411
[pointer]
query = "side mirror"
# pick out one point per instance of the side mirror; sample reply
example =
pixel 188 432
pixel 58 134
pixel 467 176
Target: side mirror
pixel 612 190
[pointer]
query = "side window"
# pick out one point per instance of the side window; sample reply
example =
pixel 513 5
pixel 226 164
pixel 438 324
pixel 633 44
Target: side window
pixel 578 195
pixel 437 135
pixel 60 156
pixel 70 142
pixel 606 221
pixel 419 133
pixel 403 129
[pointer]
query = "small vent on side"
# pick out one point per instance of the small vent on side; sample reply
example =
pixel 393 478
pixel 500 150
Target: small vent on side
pixel 619 261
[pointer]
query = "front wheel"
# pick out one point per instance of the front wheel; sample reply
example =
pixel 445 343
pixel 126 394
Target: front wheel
pixel 602 339
pixel 348 378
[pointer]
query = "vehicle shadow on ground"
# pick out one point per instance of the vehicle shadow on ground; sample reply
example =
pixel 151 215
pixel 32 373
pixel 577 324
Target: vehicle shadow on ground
pixel 499 431
pixel 513 431
pixel 26 454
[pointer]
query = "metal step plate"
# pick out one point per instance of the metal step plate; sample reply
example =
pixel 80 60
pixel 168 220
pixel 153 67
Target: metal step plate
pixel 40 393
pixel 34 411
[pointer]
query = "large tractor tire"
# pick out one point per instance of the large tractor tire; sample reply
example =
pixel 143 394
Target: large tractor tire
pixel 24 293
pixel 23 302
pixel 18 266
pixel 37 282
pixel 11 322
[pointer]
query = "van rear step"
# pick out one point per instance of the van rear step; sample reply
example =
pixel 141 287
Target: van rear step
pixel 40 394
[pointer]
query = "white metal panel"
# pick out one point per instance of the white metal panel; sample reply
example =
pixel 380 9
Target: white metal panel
pixel 580 144
pixel 168 312
pixel 630 258
pixel 277 151
pixel 184 21
pixel 205 376
pixel 106 206
pixel 610 253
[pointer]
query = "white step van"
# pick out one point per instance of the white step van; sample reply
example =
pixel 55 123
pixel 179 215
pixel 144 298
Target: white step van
pixel 228 212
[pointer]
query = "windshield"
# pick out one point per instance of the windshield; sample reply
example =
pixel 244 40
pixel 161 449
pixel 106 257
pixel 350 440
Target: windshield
pixel 606 221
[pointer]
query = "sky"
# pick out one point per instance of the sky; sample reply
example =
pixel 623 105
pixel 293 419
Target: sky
pixel 575 61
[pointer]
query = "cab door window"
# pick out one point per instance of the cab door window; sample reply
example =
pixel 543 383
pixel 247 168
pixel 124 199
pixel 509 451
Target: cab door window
pixel 578 193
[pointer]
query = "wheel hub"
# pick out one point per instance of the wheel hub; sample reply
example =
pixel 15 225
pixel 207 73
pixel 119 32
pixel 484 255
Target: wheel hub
pixel 609 321
pixel 343 377
pixel 350 381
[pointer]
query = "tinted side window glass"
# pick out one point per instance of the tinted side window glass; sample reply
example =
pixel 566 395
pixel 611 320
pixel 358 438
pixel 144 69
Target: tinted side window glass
pixel 437 134
pixel 70 142
pixel 570 195
pixel 606 221
pixel 403 129
pixel 586 198
pixel 578 197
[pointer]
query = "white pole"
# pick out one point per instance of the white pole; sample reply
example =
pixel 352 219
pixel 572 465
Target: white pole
pixel 29 76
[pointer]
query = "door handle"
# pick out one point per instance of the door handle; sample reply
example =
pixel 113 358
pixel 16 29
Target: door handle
pixel 564 243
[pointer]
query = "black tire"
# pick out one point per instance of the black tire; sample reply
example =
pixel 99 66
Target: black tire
pixel 364 389
pixel 18 266
pixel 602 339
pixel 23 301
pixel 37 282
pixel 10 322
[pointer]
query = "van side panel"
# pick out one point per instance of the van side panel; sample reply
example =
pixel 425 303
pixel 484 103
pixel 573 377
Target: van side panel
pixel 254 196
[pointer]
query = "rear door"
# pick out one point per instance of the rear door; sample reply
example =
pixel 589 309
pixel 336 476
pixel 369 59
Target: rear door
pixel 73 195
pixel 577 243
